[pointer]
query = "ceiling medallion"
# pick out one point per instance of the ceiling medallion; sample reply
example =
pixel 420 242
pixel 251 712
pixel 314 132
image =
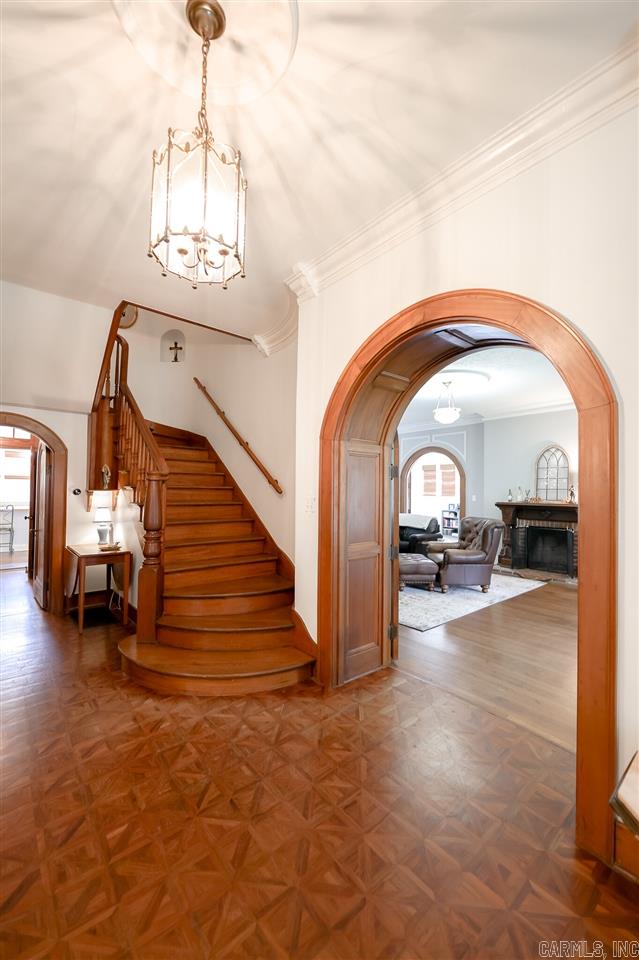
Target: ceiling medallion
pixel 198 190
pixel 446 411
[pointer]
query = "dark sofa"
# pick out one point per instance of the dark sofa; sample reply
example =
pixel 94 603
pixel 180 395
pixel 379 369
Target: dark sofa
pixel 413 539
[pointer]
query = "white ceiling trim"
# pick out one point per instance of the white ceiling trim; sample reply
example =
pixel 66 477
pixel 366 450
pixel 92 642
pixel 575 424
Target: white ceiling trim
pixel 281 335
pixel 594 99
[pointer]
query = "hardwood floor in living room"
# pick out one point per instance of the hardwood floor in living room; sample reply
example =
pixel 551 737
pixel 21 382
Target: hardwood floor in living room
pixel 387 819
pixel 517 659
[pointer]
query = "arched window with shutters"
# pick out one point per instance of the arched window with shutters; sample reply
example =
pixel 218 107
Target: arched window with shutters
pixel 552 474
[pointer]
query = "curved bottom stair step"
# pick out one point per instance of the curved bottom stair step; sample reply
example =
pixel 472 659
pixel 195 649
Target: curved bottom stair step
pixel 213 672
pixel 243 631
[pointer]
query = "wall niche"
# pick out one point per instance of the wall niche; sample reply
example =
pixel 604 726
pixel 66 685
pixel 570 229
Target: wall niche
pixel 173 347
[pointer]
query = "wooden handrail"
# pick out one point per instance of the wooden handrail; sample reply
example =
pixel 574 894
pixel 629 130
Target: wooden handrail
pixel 108 352
pixel 242 442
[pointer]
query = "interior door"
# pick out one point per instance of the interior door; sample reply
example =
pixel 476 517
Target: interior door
pixel 362 642
pixel 32 499
pixel 394 541
pixel 41 525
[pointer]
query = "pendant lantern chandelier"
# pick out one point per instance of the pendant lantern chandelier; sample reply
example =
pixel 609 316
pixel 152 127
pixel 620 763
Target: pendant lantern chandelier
pixel 198 191
pixel 446 411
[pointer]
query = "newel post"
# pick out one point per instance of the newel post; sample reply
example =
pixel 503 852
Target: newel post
pixel 150 578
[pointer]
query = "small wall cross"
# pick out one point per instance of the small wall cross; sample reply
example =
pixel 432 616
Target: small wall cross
pixel 175 348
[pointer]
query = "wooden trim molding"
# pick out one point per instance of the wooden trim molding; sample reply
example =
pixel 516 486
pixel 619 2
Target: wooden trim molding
pixel 404 477
pixel 594 398
pixel 58 538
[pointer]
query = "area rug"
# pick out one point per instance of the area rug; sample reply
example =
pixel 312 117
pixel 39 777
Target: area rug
pixel 423 610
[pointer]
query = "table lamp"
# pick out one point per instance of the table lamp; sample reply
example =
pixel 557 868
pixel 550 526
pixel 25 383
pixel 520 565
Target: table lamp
pixel 102 517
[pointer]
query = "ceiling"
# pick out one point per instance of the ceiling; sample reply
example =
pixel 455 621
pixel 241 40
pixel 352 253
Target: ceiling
pixel 491 383
pixel 378 98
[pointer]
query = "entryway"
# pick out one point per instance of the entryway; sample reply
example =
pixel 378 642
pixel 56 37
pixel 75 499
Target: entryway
pixel 356 599
pixel 40 516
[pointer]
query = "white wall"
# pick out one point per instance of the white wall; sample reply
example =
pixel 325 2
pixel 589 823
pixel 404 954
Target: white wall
pixel 564 232
pixel 511 448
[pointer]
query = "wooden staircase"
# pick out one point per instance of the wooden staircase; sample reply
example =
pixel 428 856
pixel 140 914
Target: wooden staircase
pixel 226 625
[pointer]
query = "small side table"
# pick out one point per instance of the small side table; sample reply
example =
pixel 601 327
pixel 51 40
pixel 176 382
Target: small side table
pixel 86 555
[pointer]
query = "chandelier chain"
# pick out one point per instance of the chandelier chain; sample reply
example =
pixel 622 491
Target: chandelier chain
pixel 202 117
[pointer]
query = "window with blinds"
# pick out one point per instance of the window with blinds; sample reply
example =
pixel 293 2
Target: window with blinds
pixel 430 480
pixel 449 475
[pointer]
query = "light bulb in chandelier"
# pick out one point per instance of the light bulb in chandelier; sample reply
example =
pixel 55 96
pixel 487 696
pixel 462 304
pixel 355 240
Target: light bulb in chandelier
pixel 198 192
pixel 446 412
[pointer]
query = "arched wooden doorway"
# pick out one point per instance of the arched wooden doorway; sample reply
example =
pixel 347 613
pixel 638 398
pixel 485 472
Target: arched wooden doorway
pixel 404 477
pixel 58 508
pixel 355 456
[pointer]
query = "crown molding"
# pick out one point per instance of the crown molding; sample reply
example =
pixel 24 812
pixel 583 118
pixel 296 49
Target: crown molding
pixel 280 336
pixel 604 92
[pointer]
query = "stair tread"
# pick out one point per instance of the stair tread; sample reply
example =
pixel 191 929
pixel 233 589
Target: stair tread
pixel 212 541
pixel 213 663
pixel 277 619
pixel 186 523
pixel 252 586
pixel 189 503
pixel 199 564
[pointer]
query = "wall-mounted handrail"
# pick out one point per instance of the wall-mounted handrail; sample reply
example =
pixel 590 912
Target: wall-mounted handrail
pixel 242 442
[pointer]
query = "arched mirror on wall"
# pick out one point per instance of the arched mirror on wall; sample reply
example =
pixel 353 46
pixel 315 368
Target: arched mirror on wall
pixel 552 474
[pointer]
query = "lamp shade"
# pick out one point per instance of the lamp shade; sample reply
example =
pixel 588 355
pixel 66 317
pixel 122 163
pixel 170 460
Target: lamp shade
pixel 102 515
pixel 447 414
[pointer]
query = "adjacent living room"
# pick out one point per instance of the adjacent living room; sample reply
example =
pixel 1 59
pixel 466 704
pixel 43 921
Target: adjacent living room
pixel 488 528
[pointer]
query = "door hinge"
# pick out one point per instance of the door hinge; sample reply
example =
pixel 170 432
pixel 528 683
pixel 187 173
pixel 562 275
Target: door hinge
pixel 393 553
pixel 392 631
pixel 393 471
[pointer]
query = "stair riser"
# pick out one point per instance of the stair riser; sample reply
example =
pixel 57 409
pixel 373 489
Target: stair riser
pixel 177 481
pixel 205 687
pixel 224 528
pixel 230 571
pixel 207 494
pixel 171 452
pixel 212 498
pixel 202 467
pixel 203 511
pixel 175 556
pixel 228 640
pixel 205 606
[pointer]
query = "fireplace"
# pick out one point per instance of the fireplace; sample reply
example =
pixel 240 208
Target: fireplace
pixel 544 548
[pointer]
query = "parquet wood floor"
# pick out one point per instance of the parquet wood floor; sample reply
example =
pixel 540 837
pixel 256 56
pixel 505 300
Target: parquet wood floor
pixel 518 659
pixel 390 819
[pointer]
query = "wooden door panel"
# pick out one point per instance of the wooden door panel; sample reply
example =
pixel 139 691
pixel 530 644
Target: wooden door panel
pixel 362 647
pixel 42 515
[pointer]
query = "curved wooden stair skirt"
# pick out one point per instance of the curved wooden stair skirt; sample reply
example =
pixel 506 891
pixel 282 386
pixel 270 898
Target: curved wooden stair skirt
pixel 227 625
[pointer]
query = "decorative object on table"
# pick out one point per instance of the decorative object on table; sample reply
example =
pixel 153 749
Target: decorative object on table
pixel 446 411
pixel 106 476
pixel 572 494
pixel 520 494
pixel 422 610
pixel 102 517
pixel 509 498
pixel 109 546
pixel 198 190
pixel 527 497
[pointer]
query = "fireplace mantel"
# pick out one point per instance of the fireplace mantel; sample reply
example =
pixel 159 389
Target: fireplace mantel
pixel 513 511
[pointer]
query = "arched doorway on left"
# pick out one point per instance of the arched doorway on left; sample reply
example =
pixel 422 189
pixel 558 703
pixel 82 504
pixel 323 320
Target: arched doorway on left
pixel 47 513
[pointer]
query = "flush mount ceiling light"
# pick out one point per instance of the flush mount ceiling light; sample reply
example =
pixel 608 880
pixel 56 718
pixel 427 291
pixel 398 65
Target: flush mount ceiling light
pixel 446 411
pixel 198 191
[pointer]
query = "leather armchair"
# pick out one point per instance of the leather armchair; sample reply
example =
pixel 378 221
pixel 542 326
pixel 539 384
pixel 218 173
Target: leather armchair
pixel 468 561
